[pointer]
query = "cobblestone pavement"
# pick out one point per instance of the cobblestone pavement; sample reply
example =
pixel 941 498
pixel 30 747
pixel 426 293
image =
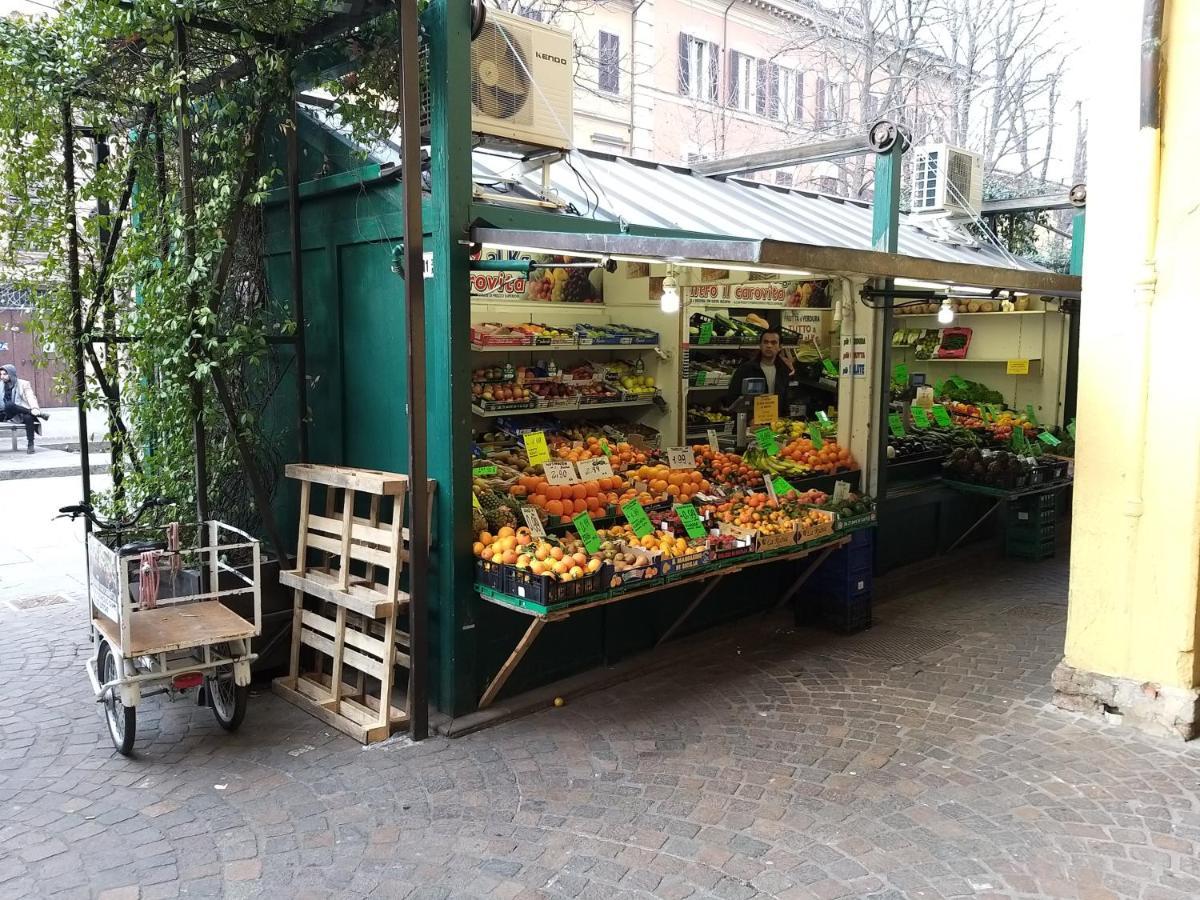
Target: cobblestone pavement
pixel 918 759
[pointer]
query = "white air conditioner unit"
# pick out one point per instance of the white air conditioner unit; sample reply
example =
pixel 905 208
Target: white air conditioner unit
pixel 522 83
pixel 947 181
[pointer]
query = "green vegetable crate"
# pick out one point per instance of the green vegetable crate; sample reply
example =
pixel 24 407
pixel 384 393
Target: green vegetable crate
pixel 1031 527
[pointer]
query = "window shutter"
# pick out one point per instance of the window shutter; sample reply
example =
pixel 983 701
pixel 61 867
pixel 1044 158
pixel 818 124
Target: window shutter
pixel 714 81
pixel 734 74
pixel 684 64
pixel 760 96
pixel 820 102
pixel 799 97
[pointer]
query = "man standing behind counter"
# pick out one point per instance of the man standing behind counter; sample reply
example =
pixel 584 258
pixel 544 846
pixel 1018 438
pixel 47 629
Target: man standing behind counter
pixel 772 364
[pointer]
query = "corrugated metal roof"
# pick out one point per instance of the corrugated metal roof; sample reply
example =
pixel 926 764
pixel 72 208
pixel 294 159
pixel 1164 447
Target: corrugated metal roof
pixel 617 189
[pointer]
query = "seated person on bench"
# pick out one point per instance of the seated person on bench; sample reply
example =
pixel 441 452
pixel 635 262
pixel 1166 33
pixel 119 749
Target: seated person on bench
pixel 18 403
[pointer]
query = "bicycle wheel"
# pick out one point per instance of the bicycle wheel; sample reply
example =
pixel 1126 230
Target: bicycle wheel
pixel 226 697
pixel 121 719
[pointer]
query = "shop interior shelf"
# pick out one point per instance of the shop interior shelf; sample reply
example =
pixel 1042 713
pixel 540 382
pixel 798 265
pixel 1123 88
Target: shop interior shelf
pixel 920 362
pixel 572 348
pixel 900 314
pixel 494 414
pixel 708 387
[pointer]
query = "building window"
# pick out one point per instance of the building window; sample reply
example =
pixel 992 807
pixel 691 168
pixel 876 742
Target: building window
pixel 743 84
pixel 791 96
pixel 820 113
pixel 609 63
pixel 766 103
pixel 783 178
pixel 830 103
pixel 699 70
pixel 528 10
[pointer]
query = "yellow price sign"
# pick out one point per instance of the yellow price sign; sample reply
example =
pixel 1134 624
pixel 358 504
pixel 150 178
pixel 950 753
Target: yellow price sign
pixel 1018 367
pixel 536 449
pixel 766 409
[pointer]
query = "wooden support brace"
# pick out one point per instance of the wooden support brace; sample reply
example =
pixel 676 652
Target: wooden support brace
pixel 514 659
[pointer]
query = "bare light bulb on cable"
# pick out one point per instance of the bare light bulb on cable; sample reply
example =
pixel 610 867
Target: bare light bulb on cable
pixel 669 302
pixel 946 313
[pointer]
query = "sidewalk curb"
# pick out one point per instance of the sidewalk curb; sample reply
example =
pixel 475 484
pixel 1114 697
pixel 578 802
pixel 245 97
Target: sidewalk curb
pixel 54 472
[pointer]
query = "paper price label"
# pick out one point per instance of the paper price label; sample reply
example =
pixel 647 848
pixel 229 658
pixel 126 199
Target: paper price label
pixel 481 471
pixel 705 333
pixel 941 416
pixel 536 449
pixel 920 418
pixel 765 439
pixel 681 458
pixel 712 440
pixel 814 434
pixel 1048 439
pixel 1017 367
pixel 841 491
pixel 766 408
pixel 534 521
pixel 587 532
pixel 636 516
pixel 591 469
pixel 690 519
pixel 896 425
pixel 560 471
pixel 781 486
pixel 769 484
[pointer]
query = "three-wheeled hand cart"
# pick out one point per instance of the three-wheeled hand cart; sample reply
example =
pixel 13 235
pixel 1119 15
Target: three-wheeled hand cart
pixel 160 606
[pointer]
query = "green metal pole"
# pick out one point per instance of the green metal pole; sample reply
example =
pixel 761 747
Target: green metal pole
pixel 1078 229
pixel 885 237
pixel 448 322
pixel 1075 307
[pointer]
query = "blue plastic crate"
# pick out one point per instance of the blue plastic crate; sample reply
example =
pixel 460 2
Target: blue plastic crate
pixel 846 615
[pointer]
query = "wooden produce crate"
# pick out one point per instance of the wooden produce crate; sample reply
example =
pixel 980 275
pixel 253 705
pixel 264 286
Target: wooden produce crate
pixel 348 600
pixel 823 529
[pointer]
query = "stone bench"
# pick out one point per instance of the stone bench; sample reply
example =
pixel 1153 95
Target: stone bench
pixel 16 430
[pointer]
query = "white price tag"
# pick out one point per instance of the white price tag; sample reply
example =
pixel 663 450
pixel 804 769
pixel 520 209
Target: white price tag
pixel 534 521
pixel 769 484
pixel 841 490
pixel 560 471
pixel 591 469
pixel 681 458
pixel 712 440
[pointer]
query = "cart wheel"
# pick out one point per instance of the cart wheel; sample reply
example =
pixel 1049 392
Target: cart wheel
pixel 227 698
pixel 121 719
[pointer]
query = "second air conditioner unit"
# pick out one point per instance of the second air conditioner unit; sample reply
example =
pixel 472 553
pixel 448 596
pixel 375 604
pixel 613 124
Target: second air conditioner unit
pixel 522 83
pixel 947 181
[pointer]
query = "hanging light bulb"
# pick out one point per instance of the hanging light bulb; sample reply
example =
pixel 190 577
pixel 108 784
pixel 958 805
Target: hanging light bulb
pixel 669 303
pixel 946 313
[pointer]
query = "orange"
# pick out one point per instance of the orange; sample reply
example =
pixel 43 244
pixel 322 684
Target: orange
pixel 580 491
pixel 554 507
pixel 554 492
pixel 538 500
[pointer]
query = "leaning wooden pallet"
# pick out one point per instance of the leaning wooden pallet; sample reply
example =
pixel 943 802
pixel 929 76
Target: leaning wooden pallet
pixel 346 639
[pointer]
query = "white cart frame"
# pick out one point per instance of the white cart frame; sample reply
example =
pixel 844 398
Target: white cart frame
pixel 187 632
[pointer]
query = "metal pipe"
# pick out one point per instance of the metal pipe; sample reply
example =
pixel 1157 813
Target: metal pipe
pixel 188 206
pixel 104 300
pixel 1146 286
pixel 76 300
pixel 293 186
pixel 414 307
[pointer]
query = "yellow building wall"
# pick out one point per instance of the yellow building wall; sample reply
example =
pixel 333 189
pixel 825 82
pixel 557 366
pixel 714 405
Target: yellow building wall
pixel 1135 552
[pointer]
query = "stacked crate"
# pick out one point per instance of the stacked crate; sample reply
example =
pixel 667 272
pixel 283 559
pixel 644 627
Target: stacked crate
pixel 348 603
pixel 1030 526
pixel 842 585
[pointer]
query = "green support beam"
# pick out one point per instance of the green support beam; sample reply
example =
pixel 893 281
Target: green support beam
pixel 885 237
pixel 1078 230
pixel 452 653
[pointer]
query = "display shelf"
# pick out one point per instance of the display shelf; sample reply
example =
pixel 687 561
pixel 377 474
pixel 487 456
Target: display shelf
pixel 707 387
pixel 915 362
pixel 536 304
pixel 1016 312
pixel 495 414
pixel 570 348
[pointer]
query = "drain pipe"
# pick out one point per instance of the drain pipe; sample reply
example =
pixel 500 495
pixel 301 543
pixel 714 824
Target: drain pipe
pixel 1150 153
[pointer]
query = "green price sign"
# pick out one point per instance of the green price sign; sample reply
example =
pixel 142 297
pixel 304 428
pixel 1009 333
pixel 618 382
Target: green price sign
pixel 1030 414
pixel 896 425
pixel 920 417
pixel 689 518
pixel 1018 441
pixel 937 388
pixel 829 367
pixel 958 382
pixel 587 532
pixel 900 373
pixel 1071 429
pixel 637 518
pixel 705 333
pixel 941 416
pixel 781 486
pixel 765 438
pixel 480 471
pixel 822 417
pixel 604 448
pixel 1048 439
pixel 701 378
pixel 814 432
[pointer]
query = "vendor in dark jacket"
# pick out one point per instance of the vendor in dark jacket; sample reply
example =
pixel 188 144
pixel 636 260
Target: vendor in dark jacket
pixel 773 364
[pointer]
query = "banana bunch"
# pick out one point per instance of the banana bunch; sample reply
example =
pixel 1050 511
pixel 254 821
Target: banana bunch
pixel 773 465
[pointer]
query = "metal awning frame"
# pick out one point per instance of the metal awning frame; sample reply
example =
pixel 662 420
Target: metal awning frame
pixel 783 256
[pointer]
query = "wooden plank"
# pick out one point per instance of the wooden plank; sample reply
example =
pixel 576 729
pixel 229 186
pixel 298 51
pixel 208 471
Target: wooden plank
pixel 365 642
pixel 365 531
pixel 314 690
pixel 339 651
pixel 328 716
pixel 348 656
pixel 347 525
pixel 302 539
pixel 297 620
pixel 177 627
pixel 359 598
pixel 361 533
pixel 361 552
pixel 395 716
pixel 523 645
pixel 369 481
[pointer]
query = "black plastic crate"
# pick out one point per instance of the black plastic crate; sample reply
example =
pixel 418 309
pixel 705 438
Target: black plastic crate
pixel 1029 549
pixel 1031 532
pixel 547 591
pixel 491 574
pixel 846 615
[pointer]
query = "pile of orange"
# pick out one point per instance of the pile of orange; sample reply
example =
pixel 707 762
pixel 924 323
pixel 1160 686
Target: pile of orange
pixel 592 497
pixel 678 485
pixel 620 455
pixel 726 469
pixel 829 459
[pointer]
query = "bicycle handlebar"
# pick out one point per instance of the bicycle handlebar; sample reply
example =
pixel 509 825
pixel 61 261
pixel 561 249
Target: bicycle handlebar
pixel 75 510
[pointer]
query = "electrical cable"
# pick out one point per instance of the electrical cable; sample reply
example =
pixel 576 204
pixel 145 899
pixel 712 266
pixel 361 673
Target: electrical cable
pixel 978 219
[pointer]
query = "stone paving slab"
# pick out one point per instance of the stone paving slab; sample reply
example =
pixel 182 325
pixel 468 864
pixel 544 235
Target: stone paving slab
pixel 782 765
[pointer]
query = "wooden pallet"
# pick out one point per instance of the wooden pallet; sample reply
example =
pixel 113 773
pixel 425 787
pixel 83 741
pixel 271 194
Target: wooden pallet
pixel 346 639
